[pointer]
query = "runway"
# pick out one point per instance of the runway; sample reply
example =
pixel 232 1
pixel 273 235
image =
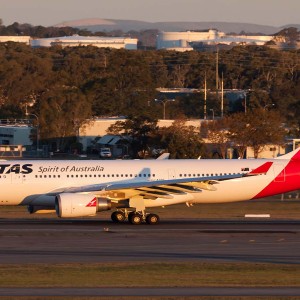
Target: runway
pixel 92 241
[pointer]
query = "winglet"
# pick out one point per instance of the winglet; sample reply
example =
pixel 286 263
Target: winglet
pixel 164 156
pixel 263 169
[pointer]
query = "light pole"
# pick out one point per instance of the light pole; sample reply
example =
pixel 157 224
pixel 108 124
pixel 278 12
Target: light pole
pixel 213 113
pixel 164 102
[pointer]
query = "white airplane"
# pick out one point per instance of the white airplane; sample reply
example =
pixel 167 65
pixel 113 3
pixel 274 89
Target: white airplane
pixel 83 188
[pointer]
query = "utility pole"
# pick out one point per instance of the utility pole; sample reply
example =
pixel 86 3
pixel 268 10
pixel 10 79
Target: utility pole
pixel 217 72
pixel 205 97
pixel 222 97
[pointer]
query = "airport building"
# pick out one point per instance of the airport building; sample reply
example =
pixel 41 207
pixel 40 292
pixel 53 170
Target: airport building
pixel 14 136
pixel 96 41
pixel 16 39
pixel 191 40
pixel 94 129
pixel 15 133
pixel 180 41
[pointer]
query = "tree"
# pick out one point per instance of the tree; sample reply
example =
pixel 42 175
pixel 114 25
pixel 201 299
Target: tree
pixel 258 128
pixel 182 141
pixel 217 134
pixel 61 112
pixel 141 129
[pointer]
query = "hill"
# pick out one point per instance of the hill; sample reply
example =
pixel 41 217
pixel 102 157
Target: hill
pixel 95 25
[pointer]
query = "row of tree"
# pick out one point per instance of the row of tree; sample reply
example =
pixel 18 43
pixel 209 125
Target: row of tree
pixel 256 129
pixel 146 38
pixel 66 86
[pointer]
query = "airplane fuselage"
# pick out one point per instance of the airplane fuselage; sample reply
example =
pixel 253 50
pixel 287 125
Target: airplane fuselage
pixel 22 182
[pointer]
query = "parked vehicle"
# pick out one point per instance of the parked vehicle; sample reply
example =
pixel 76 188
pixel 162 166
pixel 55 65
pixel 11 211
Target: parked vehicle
pixel 105 153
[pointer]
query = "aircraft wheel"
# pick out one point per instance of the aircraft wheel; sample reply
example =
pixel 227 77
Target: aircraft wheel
pixel 152 219
pixel 118 217
pixel 131 214
pixel 135 218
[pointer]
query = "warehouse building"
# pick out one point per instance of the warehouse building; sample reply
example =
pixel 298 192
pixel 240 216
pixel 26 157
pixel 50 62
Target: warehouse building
pixel 190 40
pixel 96 41
pixel 180 41
pixel 16 39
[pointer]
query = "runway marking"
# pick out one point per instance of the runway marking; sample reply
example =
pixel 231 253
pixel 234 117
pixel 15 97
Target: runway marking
pixel 137 230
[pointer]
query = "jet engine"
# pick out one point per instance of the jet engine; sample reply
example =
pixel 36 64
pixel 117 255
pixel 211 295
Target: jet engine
pixel 68 205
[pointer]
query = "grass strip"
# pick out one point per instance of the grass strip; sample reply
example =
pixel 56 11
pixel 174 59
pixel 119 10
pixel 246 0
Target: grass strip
pixel 151 298
pixel 149 275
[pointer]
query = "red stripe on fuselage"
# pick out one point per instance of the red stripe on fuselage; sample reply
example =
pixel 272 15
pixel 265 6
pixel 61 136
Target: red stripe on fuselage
pixel 287 180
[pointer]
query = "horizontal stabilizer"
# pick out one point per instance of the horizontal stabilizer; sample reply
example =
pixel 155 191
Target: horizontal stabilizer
pixel 263 169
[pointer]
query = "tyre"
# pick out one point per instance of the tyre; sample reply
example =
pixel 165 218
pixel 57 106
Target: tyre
pixel 152 219
pixel 135 218
pixel 118 217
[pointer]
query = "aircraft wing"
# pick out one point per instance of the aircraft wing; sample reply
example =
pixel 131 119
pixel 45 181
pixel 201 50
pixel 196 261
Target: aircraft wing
pixel 158 188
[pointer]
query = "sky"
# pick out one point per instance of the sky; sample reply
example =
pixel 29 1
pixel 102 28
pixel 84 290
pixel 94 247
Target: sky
pixel 51 12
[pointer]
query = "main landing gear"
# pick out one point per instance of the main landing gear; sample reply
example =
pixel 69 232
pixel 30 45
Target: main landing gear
pixel 134 217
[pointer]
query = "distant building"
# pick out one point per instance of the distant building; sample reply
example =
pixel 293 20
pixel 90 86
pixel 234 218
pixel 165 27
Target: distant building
pixel 119 145
pixel 94 129
pixel 91 133
pixel 16 39
pixel 190 40
pixel 269 151
pixel 15 133
pixel 96 41
pixel 181 41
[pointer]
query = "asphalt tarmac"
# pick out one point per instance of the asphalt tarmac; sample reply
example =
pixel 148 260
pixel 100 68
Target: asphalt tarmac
pixel 26 241
pixel 135 292
pixel 92 241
